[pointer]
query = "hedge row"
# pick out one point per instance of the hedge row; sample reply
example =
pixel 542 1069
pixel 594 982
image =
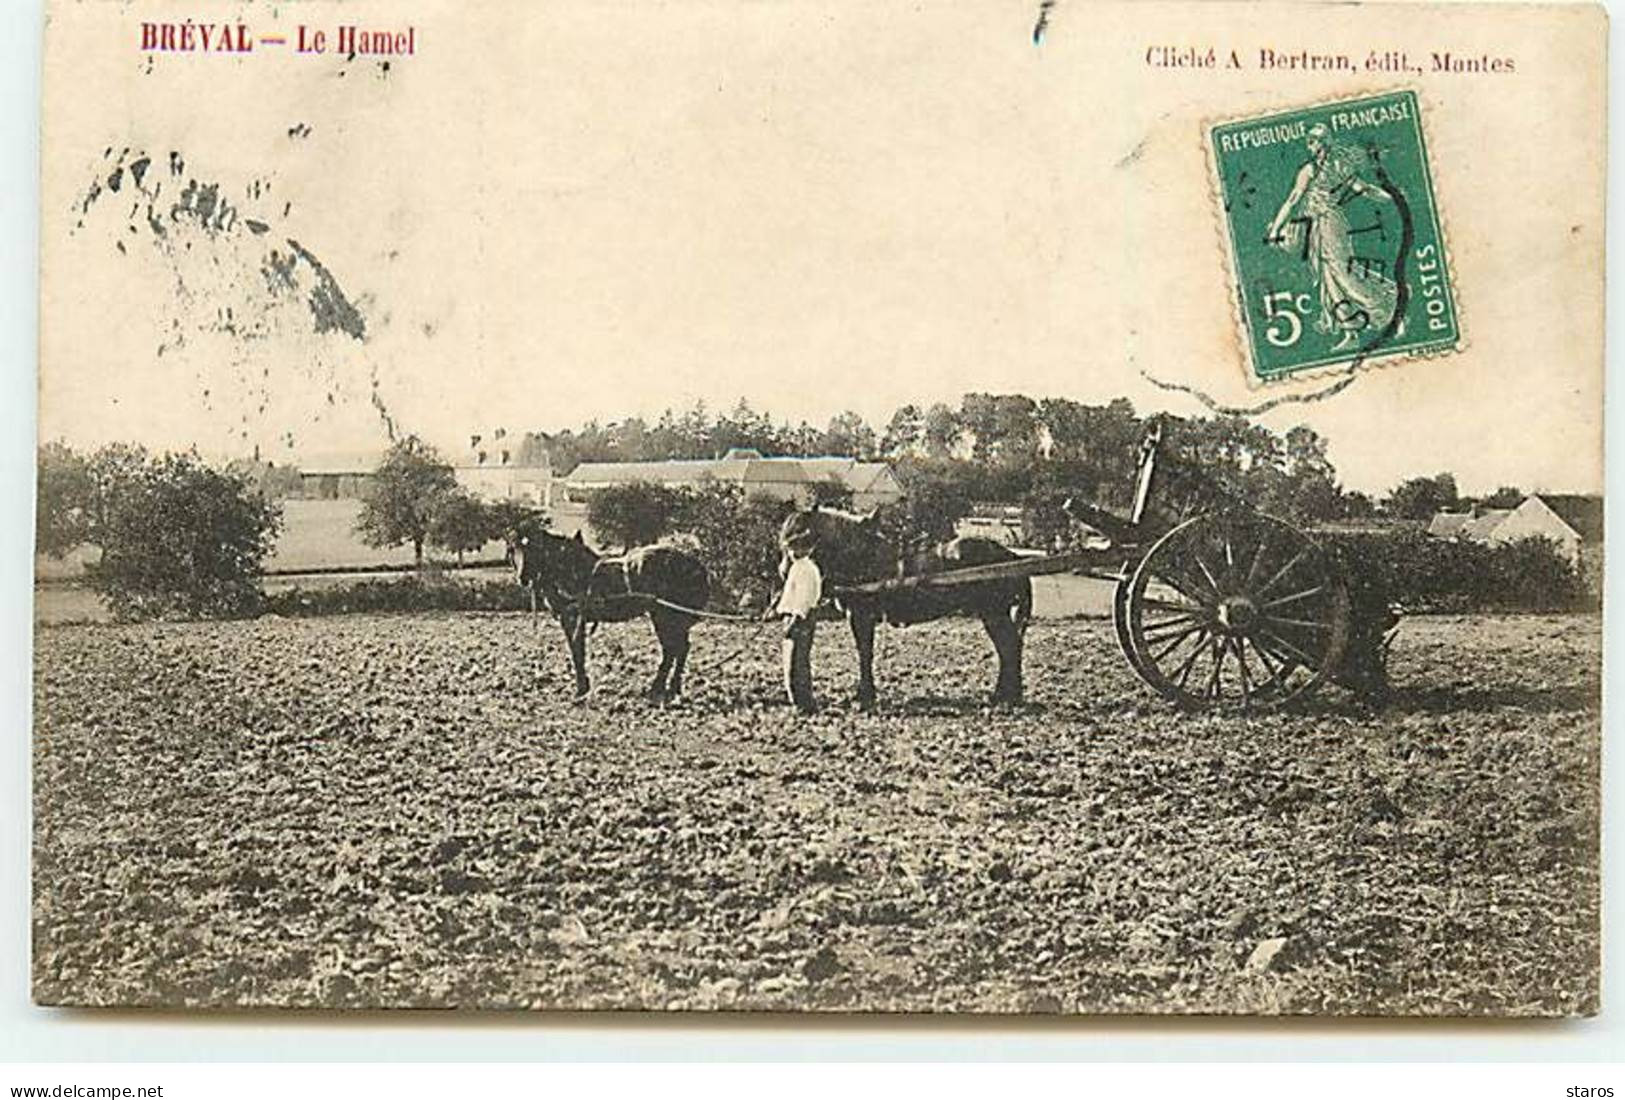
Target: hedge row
pixel 410 593
pixel 1423 574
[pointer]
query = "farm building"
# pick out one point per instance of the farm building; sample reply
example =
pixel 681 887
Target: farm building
pixel 871 483
pixel 335 477
pixel 1573 521
pixel 490 474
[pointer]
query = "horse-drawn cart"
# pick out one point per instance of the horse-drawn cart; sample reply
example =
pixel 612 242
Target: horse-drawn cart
pixel 1216 604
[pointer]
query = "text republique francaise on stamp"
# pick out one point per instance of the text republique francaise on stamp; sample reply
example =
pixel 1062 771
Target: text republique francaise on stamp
pixel 1333 236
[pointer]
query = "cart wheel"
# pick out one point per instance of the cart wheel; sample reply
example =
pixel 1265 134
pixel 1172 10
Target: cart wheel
pixel 1235 610
pixel 1120 622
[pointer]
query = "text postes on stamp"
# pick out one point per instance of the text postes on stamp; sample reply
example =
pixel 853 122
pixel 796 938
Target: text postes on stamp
pixel 1333 234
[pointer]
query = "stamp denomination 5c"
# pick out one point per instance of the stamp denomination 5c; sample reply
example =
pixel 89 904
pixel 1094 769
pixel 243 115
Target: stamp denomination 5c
pixel 1333 235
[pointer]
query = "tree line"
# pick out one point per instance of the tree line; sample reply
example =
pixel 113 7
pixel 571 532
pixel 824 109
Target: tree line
pixel 1017 450
pixel 179 537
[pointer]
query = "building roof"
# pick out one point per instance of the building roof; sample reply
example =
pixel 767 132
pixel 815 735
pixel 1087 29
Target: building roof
pixel 336 463
pixel 1582 512
pixel 1447 525
pixel 738 466
pixel 683 471
pixel 1481 526
pixel 502 468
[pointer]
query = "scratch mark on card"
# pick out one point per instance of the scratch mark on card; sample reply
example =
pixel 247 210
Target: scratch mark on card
pixel 254 310
pixel 1133 154
pixel 1042 25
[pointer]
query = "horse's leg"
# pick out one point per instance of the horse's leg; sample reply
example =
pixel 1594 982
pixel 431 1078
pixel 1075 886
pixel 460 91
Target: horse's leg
pixel 575 633
pixel 863 633
pixel 679 636
pixel 1021 613
pixel 665 632
pixel 1006 638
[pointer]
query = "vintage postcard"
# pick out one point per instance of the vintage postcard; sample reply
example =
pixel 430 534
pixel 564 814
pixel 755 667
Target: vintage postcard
pixel 955 507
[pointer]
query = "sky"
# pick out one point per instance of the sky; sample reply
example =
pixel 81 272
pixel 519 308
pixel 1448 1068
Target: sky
pixel 548 215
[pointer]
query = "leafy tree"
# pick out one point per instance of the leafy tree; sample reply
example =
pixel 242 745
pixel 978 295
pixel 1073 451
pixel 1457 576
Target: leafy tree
pixel 178 539
pixel 937 495
pixel 905 434
pixel 77 493
pixel 634 514
pixel 738 538
pixel 1044 522
pixel 1358 505
pixel 1507 496
pixel 848 434
pixel 517 517
pixel 831 492
pixel 1314 497
pixel 66 490
pixel 400 501
pixel 1423 497
pixel 1015 428
pixel 535 450
pixel 1304 451
pixel 943 430
pixel 460 523
pixel 803 439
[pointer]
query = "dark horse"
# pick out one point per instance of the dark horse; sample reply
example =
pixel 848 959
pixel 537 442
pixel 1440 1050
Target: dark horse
pixel 850 550
pixel 579 587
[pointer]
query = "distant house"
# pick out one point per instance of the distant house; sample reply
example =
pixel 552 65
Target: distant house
pixel 491 472
pixel 1478 525
pixel 336 476
pixel 1448 525
pixel 1573 521
pixel 871 483
pixel 1482 526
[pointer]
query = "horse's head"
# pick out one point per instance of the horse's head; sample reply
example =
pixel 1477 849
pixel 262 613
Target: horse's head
pixel 549 562
pixel 844 544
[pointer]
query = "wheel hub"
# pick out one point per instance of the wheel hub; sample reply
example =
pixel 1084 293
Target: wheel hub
pixel 1237 614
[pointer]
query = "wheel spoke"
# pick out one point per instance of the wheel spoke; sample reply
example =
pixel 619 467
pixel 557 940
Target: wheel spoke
pixel 1179 583
pixel 1258 560
pixel 1284 570
pixel 1297 654
pixel 1206 572
pixel 1174 641
pixel 1157 628
pixel 1273 667
pixel 1185 669
pixel 1169 605
pixel 1217 652
pixel 1304 595
pixel 1303 623
pixel 1247 679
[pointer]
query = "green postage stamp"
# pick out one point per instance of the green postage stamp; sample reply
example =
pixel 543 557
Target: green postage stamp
pixel 1334 236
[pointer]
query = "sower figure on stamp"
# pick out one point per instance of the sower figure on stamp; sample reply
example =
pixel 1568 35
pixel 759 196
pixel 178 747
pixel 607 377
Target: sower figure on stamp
pixel 797 606
pixel 1356 293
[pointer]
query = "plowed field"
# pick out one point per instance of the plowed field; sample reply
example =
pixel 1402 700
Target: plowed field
pixel 409 810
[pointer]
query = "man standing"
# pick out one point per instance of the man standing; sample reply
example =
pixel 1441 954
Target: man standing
pixel 803 588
